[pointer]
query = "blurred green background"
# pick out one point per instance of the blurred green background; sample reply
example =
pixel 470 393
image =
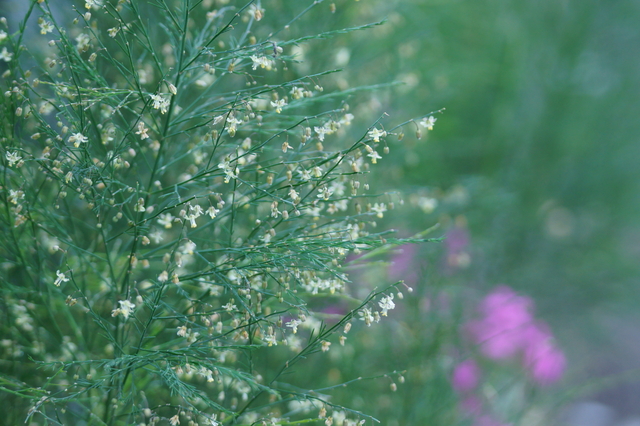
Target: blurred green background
pixel 537 150
pixel 541 130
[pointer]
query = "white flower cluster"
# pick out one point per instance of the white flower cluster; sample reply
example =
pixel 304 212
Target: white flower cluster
pixel 370 316
pixel 262 62
pixel 161 103
pixel 230 172
pixel 77 138
pixel 14 159
pixel 126 309
pixel 188 334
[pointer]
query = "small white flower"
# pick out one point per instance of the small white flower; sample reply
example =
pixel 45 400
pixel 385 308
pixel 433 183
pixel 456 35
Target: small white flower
pixel 274 209
pixel 166 220
pixel 60 278
pixel 142 131
pixel 262 62
pixel 160 102
pixel 428 122
pixel 77 138
pixel 295 196
pixel 232 124
pixel 92 3
pixel 229 307
pixel 188 247
pixel 139 206
pixel 366 316
pixel 379 209
pixel 376 134
pixel 192 337
pixel 386 304
pixel 321 132
pixel 204 371
pixel 270 340
pixel 256 62
pixel 83 42
pixel 305 175
pixel 45 27
pixel 217 120
pixel 293 324
pixel 374 157
pixel 5 55
pixel 13 158
pixel 212 212
pixel 125 309
pixel 194 213
pixel 113 32
pixel 3 35
pixel 15 196
pixel 278 105
pixel 324 193
pixel 334 285
pixel 229 171
pixel 297 92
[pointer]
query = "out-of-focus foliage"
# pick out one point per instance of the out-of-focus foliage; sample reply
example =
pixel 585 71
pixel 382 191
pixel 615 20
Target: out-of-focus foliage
pixel 541 132
pixel 537 152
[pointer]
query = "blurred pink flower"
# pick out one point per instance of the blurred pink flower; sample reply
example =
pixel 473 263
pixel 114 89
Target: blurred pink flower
pixel 507 328
pixel 466 376
pixel 543 360
pixel 505 316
